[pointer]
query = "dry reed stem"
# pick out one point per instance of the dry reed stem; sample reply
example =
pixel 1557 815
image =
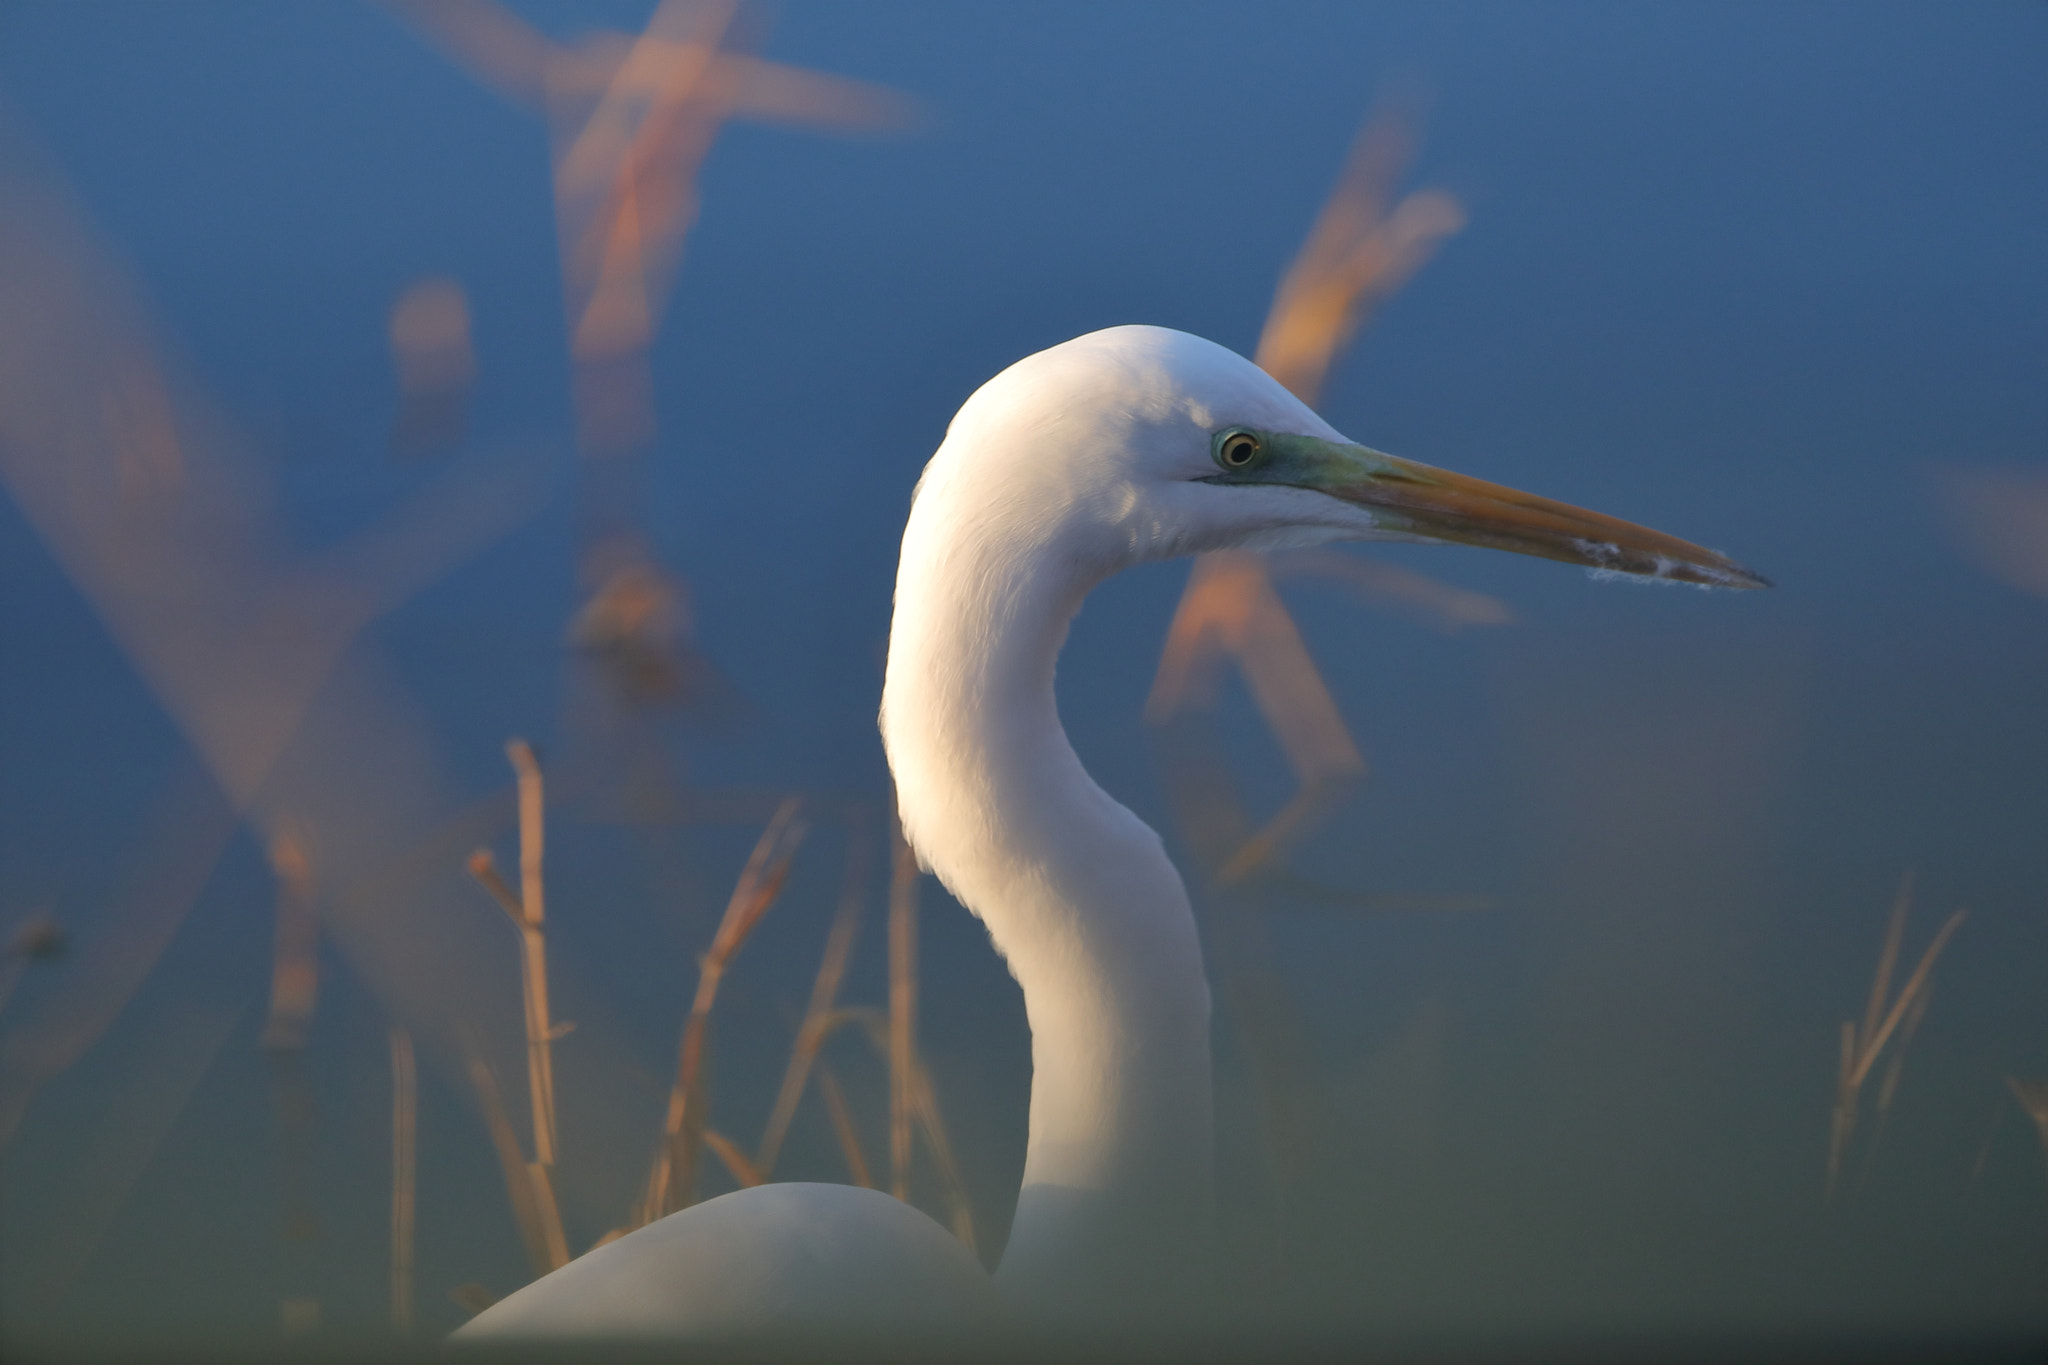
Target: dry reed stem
pixel 526 66
pixel 1861 1045
pixel 735 1160
pixel 549 1213
pixel 629 172
pixel 927 1108
pixel 1358 253
pixel 484 868
pixel 633 117
pixel 672 1183
pixel 540 1032
pixel 2033 1099
pixel 1230 611
pixel 903 887
pixel 533 956
pixel 841 1114
pixel 824 995
pixel 526 1183
pixel 631 120
pixel 922 1103
pixel 1887 957
pixel 1914 985
pixel 404 1176
pixel 1290 824
pixel 1897 1064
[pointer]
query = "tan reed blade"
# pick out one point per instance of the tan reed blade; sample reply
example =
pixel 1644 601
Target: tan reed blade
pixel 959 1207
pixel 843 1128
pixel 1861 1045
pixel 810 1034
pixel 672 1183
pixel 903 886
pixel 404 1176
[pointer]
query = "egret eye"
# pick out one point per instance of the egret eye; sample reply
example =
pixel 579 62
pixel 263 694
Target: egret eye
pixel 1237 450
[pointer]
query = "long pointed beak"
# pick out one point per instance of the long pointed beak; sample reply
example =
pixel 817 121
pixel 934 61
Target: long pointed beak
pixel 1415 499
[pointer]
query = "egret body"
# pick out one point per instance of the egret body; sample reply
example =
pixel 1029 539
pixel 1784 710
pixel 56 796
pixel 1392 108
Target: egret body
pixel 1118 448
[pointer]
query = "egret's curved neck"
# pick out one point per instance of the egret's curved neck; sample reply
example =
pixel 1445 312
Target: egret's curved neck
pixel 1078 895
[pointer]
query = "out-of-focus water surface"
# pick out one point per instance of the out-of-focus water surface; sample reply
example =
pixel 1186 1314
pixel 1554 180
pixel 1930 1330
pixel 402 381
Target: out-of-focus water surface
pixel 1770 278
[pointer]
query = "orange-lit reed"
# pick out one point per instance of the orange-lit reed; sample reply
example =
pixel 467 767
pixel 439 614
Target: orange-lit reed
pixel 810 1034
pixel 672 1183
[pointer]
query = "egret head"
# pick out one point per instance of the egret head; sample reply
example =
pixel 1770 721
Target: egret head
pixel 1140 443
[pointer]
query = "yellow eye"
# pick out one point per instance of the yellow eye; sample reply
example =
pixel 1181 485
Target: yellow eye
pixel 1237 450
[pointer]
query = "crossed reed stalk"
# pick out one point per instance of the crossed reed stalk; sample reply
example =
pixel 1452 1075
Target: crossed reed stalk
pixel 1863 1043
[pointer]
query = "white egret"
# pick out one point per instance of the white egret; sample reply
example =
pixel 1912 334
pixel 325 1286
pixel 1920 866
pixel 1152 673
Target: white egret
pixel 1120 447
